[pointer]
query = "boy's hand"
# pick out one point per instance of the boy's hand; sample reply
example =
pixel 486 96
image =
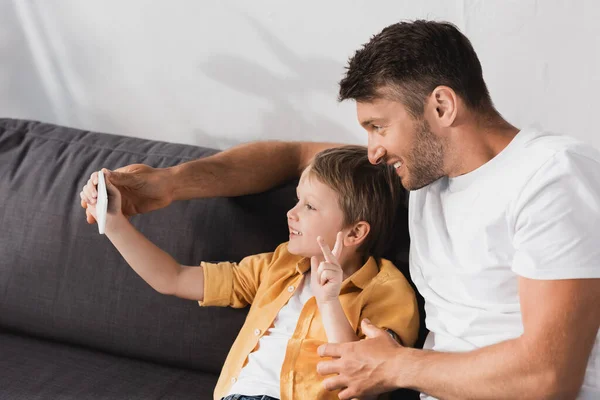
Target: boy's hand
pixel 142 187
pixel 326 273
pixel 113 211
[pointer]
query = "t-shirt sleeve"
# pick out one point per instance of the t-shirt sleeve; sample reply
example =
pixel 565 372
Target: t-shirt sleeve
pixel 557 220
pixel 391 304
pixel 228 284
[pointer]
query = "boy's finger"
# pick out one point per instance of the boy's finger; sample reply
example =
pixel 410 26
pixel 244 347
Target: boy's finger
pixel 339 245
pixel 314 266
pixel 90 218
pixel 320 272
pixel 327 276
pixel 329 257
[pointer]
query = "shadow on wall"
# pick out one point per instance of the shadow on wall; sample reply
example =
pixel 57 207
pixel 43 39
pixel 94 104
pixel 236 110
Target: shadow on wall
pixel 21 87
pixel 285 121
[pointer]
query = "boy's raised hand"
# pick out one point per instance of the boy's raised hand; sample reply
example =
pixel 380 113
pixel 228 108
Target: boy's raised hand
pixel 114 200
pixel 326 272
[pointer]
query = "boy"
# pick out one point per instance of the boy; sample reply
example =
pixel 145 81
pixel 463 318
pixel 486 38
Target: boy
pixel 303 294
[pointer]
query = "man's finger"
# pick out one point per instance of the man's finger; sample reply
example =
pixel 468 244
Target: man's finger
pixel 334 383
pixel 329 367
pixel 339 245
pixel 347 394
pixel 110 188
pixel 330 350
pixel 370 330
pixel 118 178
pixel 329 257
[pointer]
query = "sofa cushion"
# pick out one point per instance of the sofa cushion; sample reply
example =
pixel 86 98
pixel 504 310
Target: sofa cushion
pixel 60 279
pixel 35 369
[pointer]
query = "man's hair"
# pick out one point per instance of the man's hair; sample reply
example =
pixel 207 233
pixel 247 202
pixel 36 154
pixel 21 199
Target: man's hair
pixel 366 192
pixel 406 61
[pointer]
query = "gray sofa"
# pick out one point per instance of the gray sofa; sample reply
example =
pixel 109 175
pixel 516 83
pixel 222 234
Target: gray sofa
pixel 75 321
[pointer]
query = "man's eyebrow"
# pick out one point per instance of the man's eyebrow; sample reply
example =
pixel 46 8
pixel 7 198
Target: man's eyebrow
pixel 369 122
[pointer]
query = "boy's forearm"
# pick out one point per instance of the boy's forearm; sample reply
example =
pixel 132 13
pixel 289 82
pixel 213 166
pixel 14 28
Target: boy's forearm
pixel 336 324
pixel 155 266
pixel 244 169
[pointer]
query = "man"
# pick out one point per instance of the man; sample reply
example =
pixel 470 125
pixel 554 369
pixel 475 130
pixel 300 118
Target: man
pixel 504 223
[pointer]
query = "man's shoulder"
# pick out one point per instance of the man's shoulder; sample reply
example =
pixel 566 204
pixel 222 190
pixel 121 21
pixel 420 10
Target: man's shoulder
pixel 548 157
pixel 541 148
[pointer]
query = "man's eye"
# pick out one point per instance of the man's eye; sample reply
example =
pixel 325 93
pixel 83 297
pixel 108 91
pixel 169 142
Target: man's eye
pixel 376 128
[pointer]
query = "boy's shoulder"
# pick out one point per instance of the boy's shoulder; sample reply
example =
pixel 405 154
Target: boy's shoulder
pixel 389 275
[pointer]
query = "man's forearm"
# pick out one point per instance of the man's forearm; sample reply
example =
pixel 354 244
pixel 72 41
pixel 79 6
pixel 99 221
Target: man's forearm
pixel 510 370
pixel 244 169
pixel 154 265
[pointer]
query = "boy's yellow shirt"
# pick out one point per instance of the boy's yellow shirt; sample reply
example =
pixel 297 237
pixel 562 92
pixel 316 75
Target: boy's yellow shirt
pixel 377 291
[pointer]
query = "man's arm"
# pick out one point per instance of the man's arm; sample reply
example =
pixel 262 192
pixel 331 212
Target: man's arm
pixel 244 169
pixel 560 318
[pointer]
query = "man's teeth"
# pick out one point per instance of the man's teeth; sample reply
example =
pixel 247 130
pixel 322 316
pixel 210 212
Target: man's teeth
pixel 397 164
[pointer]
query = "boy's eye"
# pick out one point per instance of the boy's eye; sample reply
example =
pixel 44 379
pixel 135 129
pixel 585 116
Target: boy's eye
pixel 309 206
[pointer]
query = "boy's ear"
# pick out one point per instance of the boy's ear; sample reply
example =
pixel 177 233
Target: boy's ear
pixel 357 234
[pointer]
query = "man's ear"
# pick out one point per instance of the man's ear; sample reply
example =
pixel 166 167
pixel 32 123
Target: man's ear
pixel 357 234
pixel 442 106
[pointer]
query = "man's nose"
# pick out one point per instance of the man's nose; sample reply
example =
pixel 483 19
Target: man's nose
pixel 376 154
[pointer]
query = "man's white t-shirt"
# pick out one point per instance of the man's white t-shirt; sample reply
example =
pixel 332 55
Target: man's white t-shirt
pixel 531 211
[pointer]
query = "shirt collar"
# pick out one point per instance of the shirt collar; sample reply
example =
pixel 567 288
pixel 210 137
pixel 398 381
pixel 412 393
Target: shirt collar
pixel 364 275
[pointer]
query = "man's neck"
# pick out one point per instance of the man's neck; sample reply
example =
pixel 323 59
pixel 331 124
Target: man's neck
pixel 476 142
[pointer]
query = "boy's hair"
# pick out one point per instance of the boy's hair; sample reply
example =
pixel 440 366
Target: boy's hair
pixel 407 60
pixel 366 192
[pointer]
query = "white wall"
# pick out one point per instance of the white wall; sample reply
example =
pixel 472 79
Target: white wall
pixel 218 73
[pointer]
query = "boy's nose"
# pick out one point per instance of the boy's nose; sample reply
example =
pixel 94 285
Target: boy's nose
pixel 292 215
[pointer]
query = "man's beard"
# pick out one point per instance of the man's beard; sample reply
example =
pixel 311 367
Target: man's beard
pixel 426 159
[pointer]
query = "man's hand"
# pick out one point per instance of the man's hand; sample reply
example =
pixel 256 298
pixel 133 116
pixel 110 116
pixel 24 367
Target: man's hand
pixel 367 367
pixel 143 189
pixel 326 273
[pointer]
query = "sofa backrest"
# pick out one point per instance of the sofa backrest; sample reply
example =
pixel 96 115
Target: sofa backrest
pixel 61 280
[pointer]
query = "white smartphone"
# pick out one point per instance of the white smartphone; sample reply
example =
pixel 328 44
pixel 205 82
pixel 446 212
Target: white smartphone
pixel 101 203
